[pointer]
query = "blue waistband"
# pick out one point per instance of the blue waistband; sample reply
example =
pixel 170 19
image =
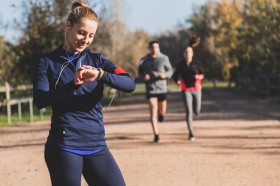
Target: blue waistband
pixel 82 152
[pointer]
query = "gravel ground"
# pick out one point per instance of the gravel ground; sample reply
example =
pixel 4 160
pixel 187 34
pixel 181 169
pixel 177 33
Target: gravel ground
pixel 237 143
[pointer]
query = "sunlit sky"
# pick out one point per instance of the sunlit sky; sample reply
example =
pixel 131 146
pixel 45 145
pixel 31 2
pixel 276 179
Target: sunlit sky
pixel 153 16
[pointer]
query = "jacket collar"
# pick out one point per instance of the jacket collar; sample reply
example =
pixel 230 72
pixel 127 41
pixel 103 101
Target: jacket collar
pixel 60 52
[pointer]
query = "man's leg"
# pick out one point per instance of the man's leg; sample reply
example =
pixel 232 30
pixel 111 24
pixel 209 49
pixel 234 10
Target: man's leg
pixel 162 103
pixel 162 109
pixel 153 103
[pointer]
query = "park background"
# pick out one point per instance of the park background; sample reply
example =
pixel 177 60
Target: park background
pixel 237 131
pixel 240 39
pixel 241 36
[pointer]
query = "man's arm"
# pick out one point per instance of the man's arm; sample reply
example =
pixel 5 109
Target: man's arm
pixel 168 69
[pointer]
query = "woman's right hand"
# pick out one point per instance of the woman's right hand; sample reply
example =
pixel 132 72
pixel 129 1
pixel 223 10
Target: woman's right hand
pixel 85 74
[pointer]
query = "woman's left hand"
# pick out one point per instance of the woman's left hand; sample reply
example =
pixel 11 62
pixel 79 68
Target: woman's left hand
pixel 199 76
pixel 85 74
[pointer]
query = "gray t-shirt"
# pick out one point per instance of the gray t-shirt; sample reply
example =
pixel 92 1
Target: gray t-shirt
pixel 153 66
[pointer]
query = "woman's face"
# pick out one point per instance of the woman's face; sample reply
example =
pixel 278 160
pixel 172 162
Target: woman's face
pixel 188 53
pixel 80 35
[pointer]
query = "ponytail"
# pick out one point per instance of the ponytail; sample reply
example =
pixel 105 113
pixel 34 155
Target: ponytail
pixel 194 41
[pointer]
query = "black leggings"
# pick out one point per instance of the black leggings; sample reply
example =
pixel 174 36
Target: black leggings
pixel 99 169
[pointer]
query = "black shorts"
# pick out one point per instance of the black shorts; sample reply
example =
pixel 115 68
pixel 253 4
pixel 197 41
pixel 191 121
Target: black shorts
pixel 161 97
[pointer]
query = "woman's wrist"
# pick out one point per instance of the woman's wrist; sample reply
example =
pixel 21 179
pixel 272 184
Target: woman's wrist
pixel 100 75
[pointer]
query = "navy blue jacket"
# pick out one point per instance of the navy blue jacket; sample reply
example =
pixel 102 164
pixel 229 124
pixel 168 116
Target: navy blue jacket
pixel 77 119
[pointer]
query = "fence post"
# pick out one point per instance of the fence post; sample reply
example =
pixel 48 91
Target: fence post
pixel 41 114
pixel 31 109
pixel 8 94
pixel 215 83
pixel 19 110
pixel 8 97
pixel 9 112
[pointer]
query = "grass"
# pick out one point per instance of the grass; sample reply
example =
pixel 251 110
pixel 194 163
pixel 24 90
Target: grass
pixel 47 114
pixel 25 116
pixel 210 85
pixel 140 89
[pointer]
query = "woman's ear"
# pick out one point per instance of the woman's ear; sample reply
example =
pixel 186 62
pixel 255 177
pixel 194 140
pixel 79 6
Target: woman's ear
pixel 67 25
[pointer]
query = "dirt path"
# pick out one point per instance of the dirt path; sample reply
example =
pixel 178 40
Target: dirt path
pixel 237 143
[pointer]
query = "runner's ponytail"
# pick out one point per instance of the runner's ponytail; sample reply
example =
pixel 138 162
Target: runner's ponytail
pixel 194 41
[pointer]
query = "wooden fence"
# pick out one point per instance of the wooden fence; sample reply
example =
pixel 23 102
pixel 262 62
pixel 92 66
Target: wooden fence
pixel 9 101
pixel 268 82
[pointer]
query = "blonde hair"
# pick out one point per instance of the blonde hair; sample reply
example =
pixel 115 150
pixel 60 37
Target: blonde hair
pixel 81 9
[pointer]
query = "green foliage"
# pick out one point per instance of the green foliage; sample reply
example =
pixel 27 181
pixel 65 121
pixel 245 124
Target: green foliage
pixel 259 44
pixel 173 44
pixel 223 33
pixel 201 26
pixel 8 63
pixel 136 47
pixel 43 31
pixel 240 36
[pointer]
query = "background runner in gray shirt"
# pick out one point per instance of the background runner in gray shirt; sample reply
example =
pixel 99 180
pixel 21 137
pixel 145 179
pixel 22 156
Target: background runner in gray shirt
pixel 155 68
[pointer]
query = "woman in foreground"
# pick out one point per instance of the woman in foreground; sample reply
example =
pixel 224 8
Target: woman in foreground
pixel 71 79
